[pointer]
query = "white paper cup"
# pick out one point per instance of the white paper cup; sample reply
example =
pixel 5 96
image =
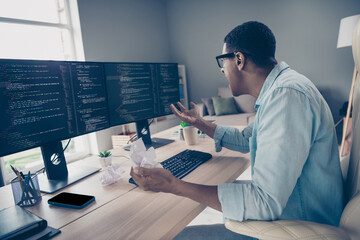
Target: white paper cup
pixel 190 135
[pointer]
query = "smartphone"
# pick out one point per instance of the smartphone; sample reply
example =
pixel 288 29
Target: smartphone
pixel 71 200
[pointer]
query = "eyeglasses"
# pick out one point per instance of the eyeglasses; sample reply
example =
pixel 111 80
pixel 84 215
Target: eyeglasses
pixel 220 59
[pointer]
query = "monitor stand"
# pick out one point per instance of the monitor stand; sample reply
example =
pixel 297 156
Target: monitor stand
pixel 58 175
pixel 155 143
pixel 143 132
pixel 75 174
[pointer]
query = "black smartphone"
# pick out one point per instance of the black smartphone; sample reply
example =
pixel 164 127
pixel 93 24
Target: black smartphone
pixel 71 200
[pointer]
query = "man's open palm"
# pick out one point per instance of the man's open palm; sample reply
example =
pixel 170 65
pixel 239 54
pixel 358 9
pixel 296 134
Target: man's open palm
pixel 188 116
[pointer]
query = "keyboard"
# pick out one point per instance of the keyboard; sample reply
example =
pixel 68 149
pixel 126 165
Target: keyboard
pixel 183 163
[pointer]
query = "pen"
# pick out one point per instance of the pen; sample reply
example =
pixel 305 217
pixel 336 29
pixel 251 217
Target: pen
pixel 22 175
pixel 30 185
pixel 16 172
pixel 18 175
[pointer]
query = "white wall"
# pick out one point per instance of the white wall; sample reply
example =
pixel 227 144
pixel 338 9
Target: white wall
pixel 120 31
pixel 191 32
pixel 306 33
pixel 124 30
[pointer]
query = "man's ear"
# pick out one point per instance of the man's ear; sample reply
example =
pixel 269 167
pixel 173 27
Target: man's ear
pixel 240 60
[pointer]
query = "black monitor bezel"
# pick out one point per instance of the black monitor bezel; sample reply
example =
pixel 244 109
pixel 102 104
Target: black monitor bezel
pixel 6 153
pixel 59 139
pixel 141 119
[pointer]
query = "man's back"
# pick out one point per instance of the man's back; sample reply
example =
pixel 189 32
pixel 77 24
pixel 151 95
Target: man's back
pixel 319 177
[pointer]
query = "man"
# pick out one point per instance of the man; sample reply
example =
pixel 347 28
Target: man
pixel 293 147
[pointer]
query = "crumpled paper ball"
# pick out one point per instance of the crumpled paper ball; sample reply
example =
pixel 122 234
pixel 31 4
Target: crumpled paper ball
pixel 111 174
pixel 140 157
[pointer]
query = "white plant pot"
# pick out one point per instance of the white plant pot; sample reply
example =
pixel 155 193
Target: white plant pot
pixel 106 161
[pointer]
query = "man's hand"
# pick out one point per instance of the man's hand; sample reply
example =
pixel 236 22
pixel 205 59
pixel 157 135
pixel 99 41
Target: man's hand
pixel 161 180
pixel 154 179
pixel 191 116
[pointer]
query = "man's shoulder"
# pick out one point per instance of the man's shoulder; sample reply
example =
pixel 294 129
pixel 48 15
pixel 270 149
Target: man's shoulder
pixel 291 81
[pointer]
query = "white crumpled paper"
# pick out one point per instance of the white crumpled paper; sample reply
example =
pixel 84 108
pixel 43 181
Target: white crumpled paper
pixel 140 157
pixel 111 174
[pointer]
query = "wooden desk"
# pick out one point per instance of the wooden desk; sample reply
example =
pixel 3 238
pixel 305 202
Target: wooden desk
pixel 123 211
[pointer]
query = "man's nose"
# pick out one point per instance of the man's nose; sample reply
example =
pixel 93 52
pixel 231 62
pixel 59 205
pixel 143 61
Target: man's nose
pixel 222 70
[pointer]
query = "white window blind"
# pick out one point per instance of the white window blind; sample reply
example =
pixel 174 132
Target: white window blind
pixel 40 30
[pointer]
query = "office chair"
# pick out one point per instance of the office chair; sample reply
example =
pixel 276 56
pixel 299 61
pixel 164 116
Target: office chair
pixel 349 227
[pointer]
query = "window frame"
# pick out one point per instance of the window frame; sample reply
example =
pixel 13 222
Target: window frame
pixel 77 54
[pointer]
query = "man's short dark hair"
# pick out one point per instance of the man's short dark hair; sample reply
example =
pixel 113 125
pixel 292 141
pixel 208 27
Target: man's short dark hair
pixel 255 40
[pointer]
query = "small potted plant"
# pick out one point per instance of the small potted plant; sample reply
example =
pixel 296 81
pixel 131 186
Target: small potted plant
pixel 105 158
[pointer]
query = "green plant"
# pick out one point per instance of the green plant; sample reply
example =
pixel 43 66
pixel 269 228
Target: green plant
pixel 104 154
pixel 183 124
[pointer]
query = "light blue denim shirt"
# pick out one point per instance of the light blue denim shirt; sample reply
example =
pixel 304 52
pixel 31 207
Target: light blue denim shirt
pixel 295 163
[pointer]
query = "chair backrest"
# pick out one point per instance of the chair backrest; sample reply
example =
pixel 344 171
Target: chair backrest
pixel 352 183
pixel 350 218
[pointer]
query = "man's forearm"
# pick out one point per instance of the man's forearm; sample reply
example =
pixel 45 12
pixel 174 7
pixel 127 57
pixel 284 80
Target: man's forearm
pixel 161 180
pixel 207 195
pixel 206 127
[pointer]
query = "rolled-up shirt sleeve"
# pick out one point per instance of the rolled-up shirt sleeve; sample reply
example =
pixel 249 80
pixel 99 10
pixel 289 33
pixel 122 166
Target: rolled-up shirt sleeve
pixel 232 138
pixel 283 142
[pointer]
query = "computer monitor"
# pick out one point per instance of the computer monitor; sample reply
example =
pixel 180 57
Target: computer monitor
pixel 140 91
pixel 44 102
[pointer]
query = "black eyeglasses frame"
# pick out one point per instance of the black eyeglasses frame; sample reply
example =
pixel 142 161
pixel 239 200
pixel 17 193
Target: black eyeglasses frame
pixel 222 56
pixel 229 55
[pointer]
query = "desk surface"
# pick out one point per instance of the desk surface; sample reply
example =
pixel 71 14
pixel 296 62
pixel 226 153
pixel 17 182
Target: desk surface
pixel 123 211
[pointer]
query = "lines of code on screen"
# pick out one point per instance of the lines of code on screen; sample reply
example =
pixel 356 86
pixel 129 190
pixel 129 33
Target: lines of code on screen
pixel 138 91
pixel 44 101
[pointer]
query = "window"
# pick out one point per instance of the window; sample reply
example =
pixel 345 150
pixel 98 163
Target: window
pixel 41 30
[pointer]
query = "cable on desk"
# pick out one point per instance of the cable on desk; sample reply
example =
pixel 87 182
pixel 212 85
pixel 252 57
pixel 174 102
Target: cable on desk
pixel 134 137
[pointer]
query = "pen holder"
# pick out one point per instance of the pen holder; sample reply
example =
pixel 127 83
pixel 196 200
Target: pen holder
pixel 26 191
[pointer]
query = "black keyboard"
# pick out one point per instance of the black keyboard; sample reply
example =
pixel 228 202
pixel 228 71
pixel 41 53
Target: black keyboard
pixel 183 163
